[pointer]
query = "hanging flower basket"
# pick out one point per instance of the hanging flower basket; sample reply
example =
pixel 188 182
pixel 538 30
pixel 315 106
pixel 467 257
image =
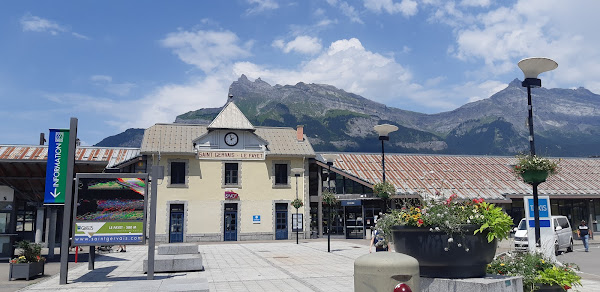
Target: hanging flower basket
pixel 297 203
pixel 534 169
pixel 534 176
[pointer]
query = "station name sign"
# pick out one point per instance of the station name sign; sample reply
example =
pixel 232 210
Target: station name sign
pixel 230 155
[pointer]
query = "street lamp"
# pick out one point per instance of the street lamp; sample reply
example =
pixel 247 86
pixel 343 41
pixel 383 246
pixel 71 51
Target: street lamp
pixel 384 130
pixel 329 158
pixel 532 67
pixel 297 172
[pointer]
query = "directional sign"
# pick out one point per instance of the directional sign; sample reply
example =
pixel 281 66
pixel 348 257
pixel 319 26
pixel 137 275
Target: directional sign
pixel 56 167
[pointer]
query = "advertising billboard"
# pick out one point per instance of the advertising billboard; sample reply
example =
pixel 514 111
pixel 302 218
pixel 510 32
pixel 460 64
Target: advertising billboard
pixel 56 167
pixel 110 209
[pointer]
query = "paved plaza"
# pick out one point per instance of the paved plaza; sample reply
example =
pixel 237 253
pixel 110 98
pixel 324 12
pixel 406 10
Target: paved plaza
pixel 239 266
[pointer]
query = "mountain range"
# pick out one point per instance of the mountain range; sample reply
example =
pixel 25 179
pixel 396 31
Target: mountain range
pixel 566 121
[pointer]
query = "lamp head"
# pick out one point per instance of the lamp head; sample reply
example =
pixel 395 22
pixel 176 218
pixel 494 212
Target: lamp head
pixel 532 67
pixel 330 158
pixel 384 130
pixel 297 171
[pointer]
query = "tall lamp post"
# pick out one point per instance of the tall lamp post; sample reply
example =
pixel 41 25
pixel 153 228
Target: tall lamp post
pixel 384 131
pixel 329 158
pixel 297 172
pixel 532 67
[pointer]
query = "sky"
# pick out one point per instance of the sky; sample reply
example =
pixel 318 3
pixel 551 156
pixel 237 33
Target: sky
pixel 116 65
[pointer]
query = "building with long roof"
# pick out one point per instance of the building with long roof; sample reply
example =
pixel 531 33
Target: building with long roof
pixel 574 191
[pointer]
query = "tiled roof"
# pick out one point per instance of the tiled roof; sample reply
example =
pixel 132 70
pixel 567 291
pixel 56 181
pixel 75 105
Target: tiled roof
pixel 178 139
pixel 469 177
pixel 110 155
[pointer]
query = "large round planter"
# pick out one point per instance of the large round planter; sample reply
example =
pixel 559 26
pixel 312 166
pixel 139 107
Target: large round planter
pixel 534 176
pixel 428 247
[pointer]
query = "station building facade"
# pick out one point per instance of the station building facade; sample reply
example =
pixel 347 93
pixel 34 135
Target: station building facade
pixel 229 180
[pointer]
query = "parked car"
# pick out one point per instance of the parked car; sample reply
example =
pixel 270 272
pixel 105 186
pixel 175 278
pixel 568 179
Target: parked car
pixel 563 235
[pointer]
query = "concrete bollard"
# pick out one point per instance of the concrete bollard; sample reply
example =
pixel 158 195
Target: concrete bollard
pixel 382 271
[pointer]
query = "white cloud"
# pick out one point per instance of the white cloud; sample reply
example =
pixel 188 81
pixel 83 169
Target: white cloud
pixel 406 7
pixel 554 29
pixel 301 44
pixel 262 5
pixel 480 3
pixel 37 24
pixel 350 12
pixel 206 50
pixel 106 83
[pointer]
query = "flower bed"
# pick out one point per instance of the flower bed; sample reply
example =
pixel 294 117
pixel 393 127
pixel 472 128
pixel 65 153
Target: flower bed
pixel 537 271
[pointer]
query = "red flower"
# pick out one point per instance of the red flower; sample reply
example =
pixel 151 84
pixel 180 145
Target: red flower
pixel 566 287
pixel 420 222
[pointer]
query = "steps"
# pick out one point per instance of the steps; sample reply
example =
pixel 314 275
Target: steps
pixel 176 257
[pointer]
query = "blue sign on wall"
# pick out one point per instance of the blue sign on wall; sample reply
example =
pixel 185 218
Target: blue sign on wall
pixel 255 219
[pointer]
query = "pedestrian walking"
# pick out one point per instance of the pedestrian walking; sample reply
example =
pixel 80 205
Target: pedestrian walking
pixel 379 241
pixel 584 233
pixel 122 248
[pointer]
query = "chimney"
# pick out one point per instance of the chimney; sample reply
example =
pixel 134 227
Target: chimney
pixel 42 139
pixel 300 133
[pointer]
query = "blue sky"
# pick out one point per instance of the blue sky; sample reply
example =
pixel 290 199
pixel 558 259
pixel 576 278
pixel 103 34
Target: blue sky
pixel 121 64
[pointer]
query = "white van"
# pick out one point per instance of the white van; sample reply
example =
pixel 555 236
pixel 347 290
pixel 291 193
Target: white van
pixel 563 235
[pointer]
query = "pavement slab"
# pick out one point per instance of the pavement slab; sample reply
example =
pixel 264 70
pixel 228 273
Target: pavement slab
pixel 241 266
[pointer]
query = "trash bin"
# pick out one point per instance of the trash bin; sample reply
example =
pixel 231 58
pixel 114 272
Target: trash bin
pixel 382 271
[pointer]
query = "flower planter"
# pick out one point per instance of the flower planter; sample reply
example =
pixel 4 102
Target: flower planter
pixel 534 176
pixel 548 288
pixel 26 270
pixel 435 262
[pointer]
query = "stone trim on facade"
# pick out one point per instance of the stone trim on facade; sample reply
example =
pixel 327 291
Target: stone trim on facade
pixel 168 218
pixel 187 173
pixel 239 184
pixel 289 170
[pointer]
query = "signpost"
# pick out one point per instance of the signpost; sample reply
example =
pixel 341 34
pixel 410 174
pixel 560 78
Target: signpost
pixel 68 201
pixel 546 228
pixel 56 167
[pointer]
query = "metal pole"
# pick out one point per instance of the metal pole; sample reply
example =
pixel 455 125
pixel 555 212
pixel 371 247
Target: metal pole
pixel 152 223
pixel 530 121
pixel 91 257
pixel 297 219
pixel 329 216
pixel 383 159
pixel 68 207
pixel 536 210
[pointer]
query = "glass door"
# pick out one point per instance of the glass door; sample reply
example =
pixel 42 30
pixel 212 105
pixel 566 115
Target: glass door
pixel 281 222
pixel 354 222
pixel 176 223
pixel 230 224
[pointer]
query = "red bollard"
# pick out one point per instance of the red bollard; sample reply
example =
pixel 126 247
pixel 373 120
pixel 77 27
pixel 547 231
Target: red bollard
pixel 77 252
pixel 402 288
